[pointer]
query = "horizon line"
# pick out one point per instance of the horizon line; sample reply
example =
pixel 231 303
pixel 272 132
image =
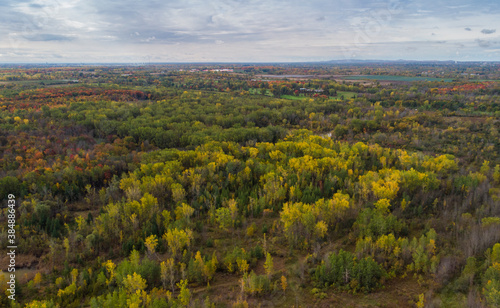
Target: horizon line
pixel 250 62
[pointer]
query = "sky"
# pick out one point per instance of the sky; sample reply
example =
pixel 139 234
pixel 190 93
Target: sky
pixel 148 31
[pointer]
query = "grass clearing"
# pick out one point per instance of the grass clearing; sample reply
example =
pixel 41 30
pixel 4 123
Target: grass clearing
pixel 47 82
pixel 293 97
pixel 256 91
pixel 396 78
pixel 346 94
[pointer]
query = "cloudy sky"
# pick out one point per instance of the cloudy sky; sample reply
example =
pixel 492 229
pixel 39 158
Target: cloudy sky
pixel 247 30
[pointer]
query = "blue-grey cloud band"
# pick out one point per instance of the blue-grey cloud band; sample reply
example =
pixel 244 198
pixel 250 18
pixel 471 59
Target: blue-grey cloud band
pixel 255 30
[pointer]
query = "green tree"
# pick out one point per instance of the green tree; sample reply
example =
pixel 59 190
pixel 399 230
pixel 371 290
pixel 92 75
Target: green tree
pixel 268 265
pixel 184 296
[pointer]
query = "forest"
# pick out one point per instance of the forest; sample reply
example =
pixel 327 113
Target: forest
pixel 251 185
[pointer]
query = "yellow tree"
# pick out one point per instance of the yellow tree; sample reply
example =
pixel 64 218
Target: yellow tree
pixel 388 187
pixel 495 253
pixel 110 267
pixel 66 246
pixel 177 239
pixel 382 206
pixel 151 242
pixel 37 280
pixel 168 273
pixel 166 218
pixel 74 275
pixel 81 223
pixel 178 192
pixel 242 265
pixel 496 174
pixel 283 283
pixel 184 293
pixel 199 264
pixel 210 267
pixel 421 301
pixel 268 265
pixel 39 304
pixel 134 283
pixel 135 259
pixel 291 218
pixel 320 229
pixel 233 209
pixel 223 217
pixel 184 211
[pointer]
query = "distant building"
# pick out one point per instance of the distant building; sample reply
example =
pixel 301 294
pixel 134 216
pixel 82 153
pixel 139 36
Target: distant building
pixel 222 70
pixel 311 90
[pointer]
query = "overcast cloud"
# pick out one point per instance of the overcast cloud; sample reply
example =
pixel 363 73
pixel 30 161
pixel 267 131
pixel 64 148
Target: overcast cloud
pixel 247 31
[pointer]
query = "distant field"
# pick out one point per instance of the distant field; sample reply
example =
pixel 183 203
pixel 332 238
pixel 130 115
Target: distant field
pixel 340 95
pixel 45 82
pixel 396 78
pixel 346 94
pixel 294 97
pixel 257 91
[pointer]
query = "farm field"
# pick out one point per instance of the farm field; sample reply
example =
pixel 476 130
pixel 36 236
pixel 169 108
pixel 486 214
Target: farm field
pixel 345 95
pixel 396 78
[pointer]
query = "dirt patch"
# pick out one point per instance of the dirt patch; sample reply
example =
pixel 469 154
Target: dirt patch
pixel 457 119
pixel 396 293
pixel 22 261
pixel 26 266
